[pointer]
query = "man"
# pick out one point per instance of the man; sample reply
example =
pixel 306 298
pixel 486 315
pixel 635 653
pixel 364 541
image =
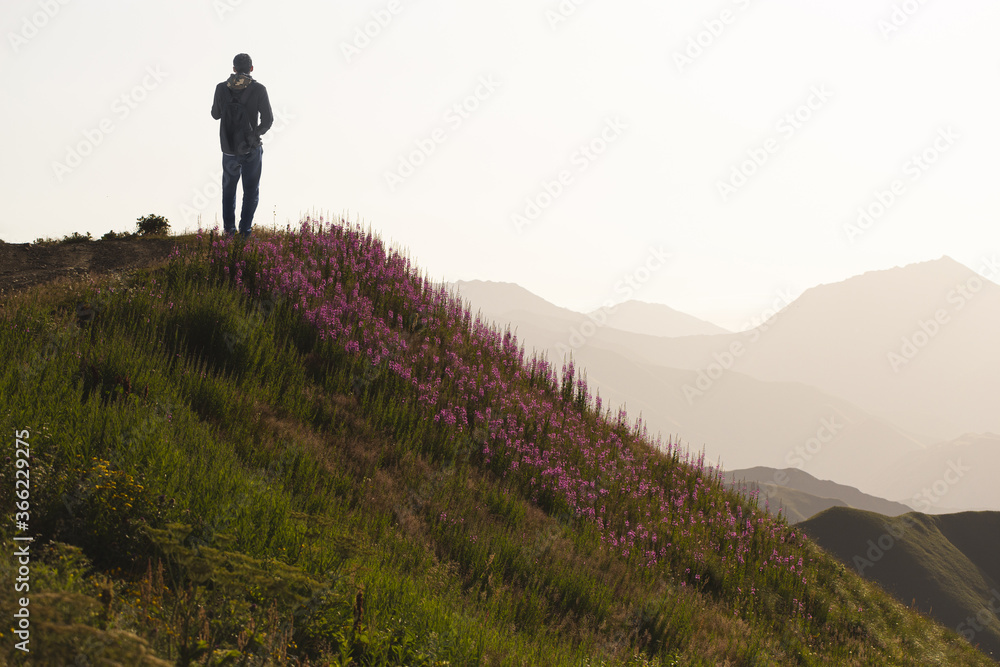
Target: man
pixel 238 103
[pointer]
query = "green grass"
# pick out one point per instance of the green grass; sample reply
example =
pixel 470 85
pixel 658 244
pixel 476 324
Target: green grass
pixel 947 564
pixel 212 483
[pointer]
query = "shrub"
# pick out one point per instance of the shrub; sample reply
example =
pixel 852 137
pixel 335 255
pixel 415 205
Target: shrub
pixel 152 225
pixel 112 235
pixel 77 237
pixel 99 508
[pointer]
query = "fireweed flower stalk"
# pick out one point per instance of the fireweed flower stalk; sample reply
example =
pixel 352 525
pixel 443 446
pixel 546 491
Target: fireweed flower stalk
pixel 465 381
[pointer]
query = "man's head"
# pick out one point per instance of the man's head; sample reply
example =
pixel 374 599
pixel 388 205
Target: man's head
pixel 242 64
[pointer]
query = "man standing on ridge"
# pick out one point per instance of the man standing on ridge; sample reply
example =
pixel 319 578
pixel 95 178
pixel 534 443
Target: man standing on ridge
pixel 238 103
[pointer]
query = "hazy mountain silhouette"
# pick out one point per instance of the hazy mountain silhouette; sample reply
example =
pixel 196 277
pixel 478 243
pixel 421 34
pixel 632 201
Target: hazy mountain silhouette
pixel 915 345
pixel 656 320
pixel 760 397
pixel 855 339
pixel 508 301
pixel 802 496
pixel 743 421
pixel 947 565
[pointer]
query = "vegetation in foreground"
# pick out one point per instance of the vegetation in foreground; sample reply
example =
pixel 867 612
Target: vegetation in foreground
pixel 303 451
pixel 146 225
pixel 946 564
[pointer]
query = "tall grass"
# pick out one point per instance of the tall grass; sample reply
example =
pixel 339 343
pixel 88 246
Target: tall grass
pixel 302 450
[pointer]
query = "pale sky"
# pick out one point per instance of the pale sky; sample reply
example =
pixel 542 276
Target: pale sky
pixel 820 108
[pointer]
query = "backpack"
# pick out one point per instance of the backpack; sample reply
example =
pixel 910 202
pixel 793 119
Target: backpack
pixel 236 125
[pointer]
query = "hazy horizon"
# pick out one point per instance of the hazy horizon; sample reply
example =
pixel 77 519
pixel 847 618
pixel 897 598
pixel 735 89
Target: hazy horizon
pixel 567 143
pixel 989 269
pixel 855 381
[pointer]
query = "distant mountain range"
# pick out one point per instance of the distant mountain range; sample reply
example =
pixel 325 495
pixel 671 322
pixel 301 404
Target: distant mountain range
pixel 799 496
pixel 510 302
pixel 743 421
pixel 656 320
pixel 829 384
pixel 946 565
pixel 915 345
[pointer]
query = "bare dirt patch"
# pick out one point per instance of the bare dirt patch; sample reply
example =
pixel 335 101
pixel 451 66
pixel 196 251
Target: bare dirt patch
pixel 25 264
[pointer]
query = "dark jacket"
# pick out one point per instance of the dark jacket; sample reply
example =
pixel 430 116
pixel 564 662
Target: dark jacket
pixel 254 97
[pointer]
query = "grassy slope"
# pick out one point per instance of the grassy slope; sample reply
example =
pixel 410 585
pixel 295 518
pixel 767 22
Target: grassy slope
pixel 215 475
pixel 947 564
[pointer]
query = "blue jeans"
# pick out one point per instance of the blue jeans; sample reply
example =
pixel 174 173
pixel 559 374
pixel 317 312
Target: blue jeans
pixel 233 167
